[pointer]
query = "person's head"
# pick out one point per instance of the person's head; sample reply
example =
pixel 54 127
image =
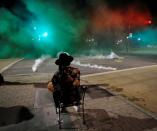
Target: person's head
pixel 64 59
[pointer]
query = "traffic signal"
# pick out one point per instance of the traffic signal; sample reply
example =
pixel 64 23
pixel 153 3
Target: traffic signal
pixel 148 22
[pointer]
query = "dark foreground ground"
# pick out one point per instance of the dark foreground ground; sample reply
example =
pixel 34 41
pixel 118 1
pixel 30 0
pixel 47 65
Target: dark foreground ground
pixel 104 110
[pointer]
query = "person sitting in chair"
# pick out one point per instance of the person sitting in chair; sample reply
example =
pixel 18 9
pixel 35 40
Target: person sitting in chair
pixel 65 82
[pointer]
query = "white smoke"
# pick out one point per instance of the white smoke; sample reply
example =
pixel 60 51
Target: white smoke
pixel 112 55
pixel 39 61
pixel 92 66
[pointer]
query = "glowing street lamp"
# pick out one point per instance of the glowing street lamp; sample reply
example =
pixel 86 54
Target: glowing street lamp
pixel 35 28
pixel 139 39
pixel 149 22
pixel 45 34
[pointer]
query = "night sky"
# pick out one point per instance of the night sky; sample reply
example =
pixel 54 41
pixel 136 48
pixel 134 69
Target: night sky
pixel 150 4
pixel 15 6
pixel 30 28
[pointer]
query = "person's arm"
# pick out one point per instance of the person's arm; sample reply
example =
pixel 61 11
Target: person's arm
pixel 76 82
pixel 53 83
pixel 54 79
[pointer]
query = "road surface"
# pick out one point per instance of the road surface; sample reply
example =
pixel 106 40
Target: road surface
pixel 21 74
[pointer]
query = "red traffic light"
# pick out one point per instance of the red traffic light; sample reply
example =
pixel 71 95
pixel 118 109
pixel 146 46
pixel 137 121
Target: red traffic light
pixel 148 22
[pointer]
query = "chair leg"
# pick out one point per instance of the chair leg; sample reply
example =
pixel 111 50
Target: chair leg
pixel 59 118
pixel 84 122
pixel 56 110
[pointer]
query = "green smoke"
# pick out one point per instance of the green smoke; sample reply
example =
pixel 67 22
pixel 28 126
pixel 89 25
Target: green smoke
pixel 14 36
pixel 25 38
pixel 148 36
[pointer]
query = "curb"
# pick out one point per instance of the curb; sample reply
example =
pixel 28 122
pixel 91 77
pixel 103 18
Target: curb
pixel 8 66
pixel 148 113
pixel 139 108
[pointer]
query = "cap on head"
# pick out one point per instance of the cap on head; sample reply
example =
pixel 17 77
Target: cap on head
pixel 64 59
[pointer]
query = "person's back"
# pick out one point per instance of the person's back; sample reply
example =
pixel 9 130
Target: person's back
pixel 66 81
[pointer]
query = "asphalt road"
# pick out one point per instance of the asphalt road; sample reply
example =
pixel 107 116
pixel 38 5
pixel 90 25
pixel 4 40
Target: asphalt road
pixel 43 105
pixel 89 65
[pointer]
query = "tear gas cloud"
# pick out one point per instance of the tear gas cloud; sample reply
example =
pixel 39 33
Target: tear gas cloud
pixel 39 61
pixel 92 66
pixel 47 27
pixel 147 36
pixel 19 38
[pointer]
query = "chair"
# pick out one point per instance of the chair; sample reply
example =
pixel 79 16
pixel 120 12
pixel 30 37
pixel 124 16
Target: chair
pixel 71 97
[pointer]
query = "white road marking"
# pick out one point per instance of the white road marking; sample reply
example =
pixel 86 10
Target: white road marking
pixel 109 72
pixel 8 66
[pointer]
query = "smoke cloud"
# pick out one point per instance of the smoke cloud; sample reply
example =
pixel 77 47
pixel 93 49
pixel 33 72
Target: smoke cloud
pixel 92 66
pixel 39 61
pixel 32 28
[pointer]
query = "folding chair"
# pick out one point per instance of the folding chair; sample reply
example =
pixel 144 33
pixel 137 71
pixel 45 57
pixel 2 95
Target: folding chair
pixel 67 100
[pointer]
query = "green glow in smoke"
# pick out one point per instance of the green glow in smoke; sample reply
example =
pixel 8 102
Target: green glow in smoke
pixel 45 34
pixel 53 30
pixel 62 28
pixel 147 36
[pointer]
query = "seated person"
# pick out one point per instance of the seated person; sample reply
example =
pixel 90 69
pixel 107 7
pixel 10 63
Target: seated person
pixel 66 82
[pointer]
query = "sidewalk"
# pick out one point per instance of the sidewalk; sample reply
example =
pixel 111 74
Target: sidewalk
pixel 104 111
pixel 137 85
